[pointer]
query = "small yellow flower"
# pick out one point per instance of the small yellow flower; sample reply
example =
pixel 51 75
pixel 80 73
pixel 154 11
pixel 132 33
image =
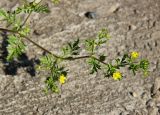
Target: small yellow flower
pixel 134 55
pixel 62 79
pixel 117 75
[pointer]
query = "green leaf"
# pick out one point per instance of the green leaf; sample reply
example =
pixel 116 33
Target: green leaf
pixel 71 48
pixel 51 85
pixel 109 70
pixel 144 64
pixel 55 1
pixel 46 62
pixel 124 57
pixel 32 7
pixel 24 31
pixel 103 34
pixel 95 65
pixel 10 17
pixel 3 13
pixel 90 45
pixel 134 68
pixel 15 48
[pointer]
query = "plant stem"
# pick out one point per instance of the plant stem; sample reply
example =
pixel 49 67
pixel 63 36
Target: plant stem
pixel 15 32
pixel 56 56
pixel 29 15
pixel 26 20
pixel 99 60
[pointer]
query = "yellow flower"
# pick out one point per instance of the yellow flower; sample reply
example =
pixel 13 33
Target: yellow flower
pixel 134 55
pixel 117 75
pixel 62 79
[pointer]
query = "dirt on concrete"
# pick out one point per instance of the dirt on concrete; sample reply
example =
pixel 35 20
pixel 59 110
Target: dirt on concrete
pixel 134 25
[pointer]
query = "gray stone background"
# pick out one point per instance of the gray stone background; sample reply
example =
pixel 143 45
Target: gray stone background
pixel 134 25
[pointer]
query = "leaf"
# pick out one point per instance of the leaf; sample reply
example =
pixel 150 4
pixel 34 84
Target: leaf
pixel 46 62
pixel 110 69
pixel 15 48
pixel 51 85
pixel 10 17
pixel 90 45
pixel 134 68
pixel 55 1
pixel 24 31
pixel 32 7
pixel 124 57
pixel 3 13
pixel 144 64
pixel 71 48
pixel 41 9
pixel 103 34
pixel 95 65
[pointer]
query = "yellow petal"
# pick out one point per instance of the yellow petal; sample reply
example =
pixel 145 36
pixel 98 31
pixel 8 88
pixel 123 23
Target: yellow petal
pixel 62 79
pixel 117 75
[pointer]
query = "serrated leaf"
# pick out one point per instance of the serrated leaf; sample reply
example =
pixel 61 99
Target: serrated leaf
pixel 144 64
pixel 102 37
pixel 10 17
pixel 15 48
pixel 32 7
pixel 95 65
pixel 90 45
pixel 71 48
pixel 103 34
pixel 3 13
pixel 109 70
pixel 51 85
pixel 47 61
pixel 134 68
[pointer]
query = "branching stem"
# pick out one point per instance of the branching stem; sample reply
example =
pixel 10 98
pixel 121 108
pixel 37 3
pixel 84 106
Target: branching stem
pixel 29 15
pixel 47 51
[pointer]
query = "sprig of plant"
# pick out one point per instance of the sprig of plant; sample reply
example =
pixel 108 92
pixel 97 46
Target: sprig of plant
pixel 93 44
pixel 95 65
pixel 52 62
pixel 16 45
pixel 71 49
pixel 15 48
pixel 32 7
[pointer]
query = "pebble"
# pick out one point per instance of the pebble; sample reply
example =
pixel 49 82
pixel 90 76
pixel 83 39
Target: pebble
pixel 134 94
pixel 90 15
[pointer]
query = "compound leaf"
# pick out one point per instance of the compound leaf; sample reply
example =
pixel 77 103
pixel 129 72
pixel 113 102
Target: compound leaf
pixel 15 48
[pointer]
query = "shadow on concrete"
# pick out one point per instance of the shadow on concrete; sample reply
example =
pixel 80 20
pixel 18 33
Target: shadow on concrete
pixel 10 68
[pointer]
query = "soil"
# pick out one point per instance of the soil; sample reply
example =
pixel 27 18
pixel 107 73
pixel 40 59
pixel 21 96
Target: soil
pixel 134 25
